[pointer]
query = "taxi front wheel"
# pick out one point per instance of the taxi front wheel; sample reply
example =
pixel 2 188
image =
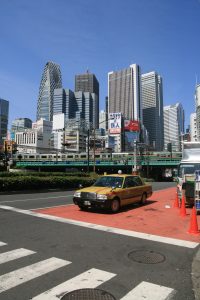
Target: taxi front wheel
pixel 115 205
pixel 144 199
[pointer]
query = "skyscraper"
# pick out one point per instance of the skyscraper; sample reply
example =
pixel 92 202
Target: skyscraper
pixel 88 82
pixel 4 110
pixel 152 103
pixel 51 79
pixel 78 105
pixel 173 126
pixel 197 103
pixel 193 127
pixel 21 123
pixel 124 93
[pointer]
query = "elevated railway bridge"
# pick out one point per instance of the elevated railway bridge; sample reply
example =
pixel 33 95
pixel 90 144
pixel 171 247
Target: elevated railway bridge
pixel 153 166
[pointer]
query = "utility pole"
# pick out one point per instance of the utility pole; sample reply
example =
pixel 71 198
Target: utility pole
pixel 135 156
pixel 88 150
pixel 94 146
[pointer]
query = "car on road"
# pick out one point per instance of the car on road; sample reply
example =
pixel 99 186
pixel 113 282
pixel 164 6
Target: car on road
pixel 112 192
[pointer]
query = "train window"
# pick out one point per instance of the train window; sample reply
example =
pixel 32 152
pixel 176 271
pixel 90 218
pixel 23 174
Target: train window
pixel 97 156
pixel 83 156
pixel 50 156
pixel 43 156
pixel 58 156
pixel 25 156
pixel 69 156
pixel 31 156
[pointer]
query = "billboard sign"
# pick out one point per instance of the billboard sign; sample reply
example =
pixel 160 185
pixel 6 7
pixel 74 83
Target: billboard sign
pixel 115 122
pixel 131 125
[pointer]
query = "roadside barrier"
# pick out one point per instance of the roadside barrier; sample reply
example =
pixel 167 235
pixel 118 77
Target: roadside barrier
pixel 183 209
pixel 193 222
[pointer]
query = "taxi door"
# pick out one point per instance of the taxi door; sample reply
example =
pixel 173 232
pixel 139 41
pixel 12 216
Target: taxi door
pixel 132 191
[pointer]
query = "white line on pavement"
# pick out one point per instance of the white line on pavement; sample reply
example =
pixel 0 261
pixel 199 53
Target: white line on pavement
pixel 34 199
pixel 149 291
pixel 2 244
pixel 146 236
pixel 89 279
pixel 14 254
pixel 15 278
pixel 37 208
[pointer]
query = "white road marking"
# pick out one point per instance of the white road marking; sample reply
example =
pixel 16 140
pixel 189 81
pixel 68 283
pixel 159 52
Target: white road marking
pixel 2 244
pixel 14 254
pixel 52 206
pixel 35 199
pixel 15 278
pixel 89 279
pixel 130 233
pixel 149 291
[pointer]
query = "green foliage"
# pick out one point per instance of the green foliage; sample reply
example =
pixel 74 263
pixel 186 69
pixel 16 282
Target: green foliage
pixel 43 174
pixel 32 182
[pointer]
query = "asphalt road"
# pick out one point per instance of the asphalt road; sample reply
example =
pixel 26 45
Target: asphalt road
pixel 85 249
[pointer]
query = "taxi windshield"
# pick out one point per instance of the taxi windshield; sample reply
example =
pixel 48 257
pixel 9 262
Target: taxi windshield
pixel 109 181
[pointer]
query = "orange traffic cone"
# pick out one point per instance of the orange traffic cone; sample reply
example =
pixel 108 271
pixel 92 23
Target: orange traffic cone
pixel 193 222
pixel 183 209
pixel 176 201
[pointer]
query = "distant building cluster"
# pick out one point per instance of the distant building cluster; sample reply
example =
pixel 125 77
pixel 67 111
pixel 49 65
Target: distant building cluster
pixel 70 121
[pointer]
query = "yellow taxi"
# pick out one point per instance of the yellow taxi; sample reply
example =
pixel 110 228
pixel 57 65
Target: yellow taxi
pixel 112 192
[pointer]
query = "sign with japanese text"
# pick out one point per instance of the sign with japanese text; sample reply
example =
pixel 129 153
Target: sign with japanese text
pixel 115 122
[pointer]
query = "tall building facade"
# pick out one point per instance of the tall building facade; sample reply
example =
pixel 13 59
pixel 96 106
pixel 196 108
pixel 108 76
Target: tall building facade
pixel 124 93
pixel 4 111
pixel 173 126
pixel 88 82
pixel 102 119
pixel 51 79
pixel 76 105
pixel 193 127
pixel 197 102
pixel 152 103
pixel 21 123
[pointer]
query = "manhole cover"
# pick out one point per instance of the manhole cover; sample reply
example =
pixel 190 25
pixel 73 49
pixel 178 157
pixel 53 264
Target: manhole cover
pixel 88 294
pixel 146 257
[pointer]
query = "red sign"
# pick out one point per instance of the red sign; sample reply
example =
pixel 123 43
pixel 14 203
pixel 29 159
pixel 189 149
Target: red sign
pixel 131 125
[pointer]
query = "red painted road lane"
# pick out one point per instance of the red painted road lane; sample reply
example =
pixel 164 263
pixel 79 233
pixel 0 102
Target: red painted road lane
pixel 158 217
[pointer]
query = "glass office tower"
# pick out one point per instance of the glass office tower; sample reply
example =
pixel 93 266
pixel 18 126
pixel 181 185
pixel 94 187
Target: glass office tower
pixel 51 79
pixel 152 104
pixel 4 109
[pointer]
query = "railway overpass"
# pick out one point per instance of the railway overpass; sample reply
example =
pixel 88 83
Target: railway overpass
pixel 154 168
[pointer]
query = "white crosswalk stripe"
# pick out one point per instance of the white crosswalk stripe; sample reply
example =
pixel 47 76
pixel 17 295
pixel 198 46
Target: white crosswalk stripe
pixel 149 291
pixel 2 244
pixel 14 254
pixel 89 279
pixel 15 278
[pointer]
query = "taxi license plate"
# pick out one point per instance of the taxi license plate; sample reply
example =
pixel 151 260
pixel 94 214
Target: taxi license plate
pixel 87 202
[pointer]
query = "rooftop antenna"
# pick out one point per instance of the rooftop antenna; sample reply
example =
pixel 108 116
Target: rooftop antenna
pixel 88 71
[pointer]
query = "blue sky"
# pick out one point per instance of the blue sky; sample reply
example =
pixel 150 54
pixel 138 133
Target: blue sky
pixel 102 36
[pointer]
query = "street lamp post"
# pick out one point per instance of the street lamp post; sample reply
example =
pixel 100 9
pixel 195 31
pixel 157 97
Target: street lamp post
pixel 88 151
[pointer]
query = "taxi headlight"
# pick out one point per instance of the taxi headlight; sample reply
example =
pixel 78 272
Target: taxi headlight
pixel 77 194
pixel 102 197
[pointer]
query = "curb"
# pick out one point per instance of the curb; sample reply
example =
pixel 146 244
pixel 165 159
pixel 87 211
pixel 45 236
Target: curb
pixel 196 274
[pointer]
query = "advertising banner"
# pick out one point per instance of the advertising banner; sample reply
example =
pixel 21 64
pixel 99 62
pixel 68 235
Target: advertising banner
pixel 131 125
pixel 115 122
